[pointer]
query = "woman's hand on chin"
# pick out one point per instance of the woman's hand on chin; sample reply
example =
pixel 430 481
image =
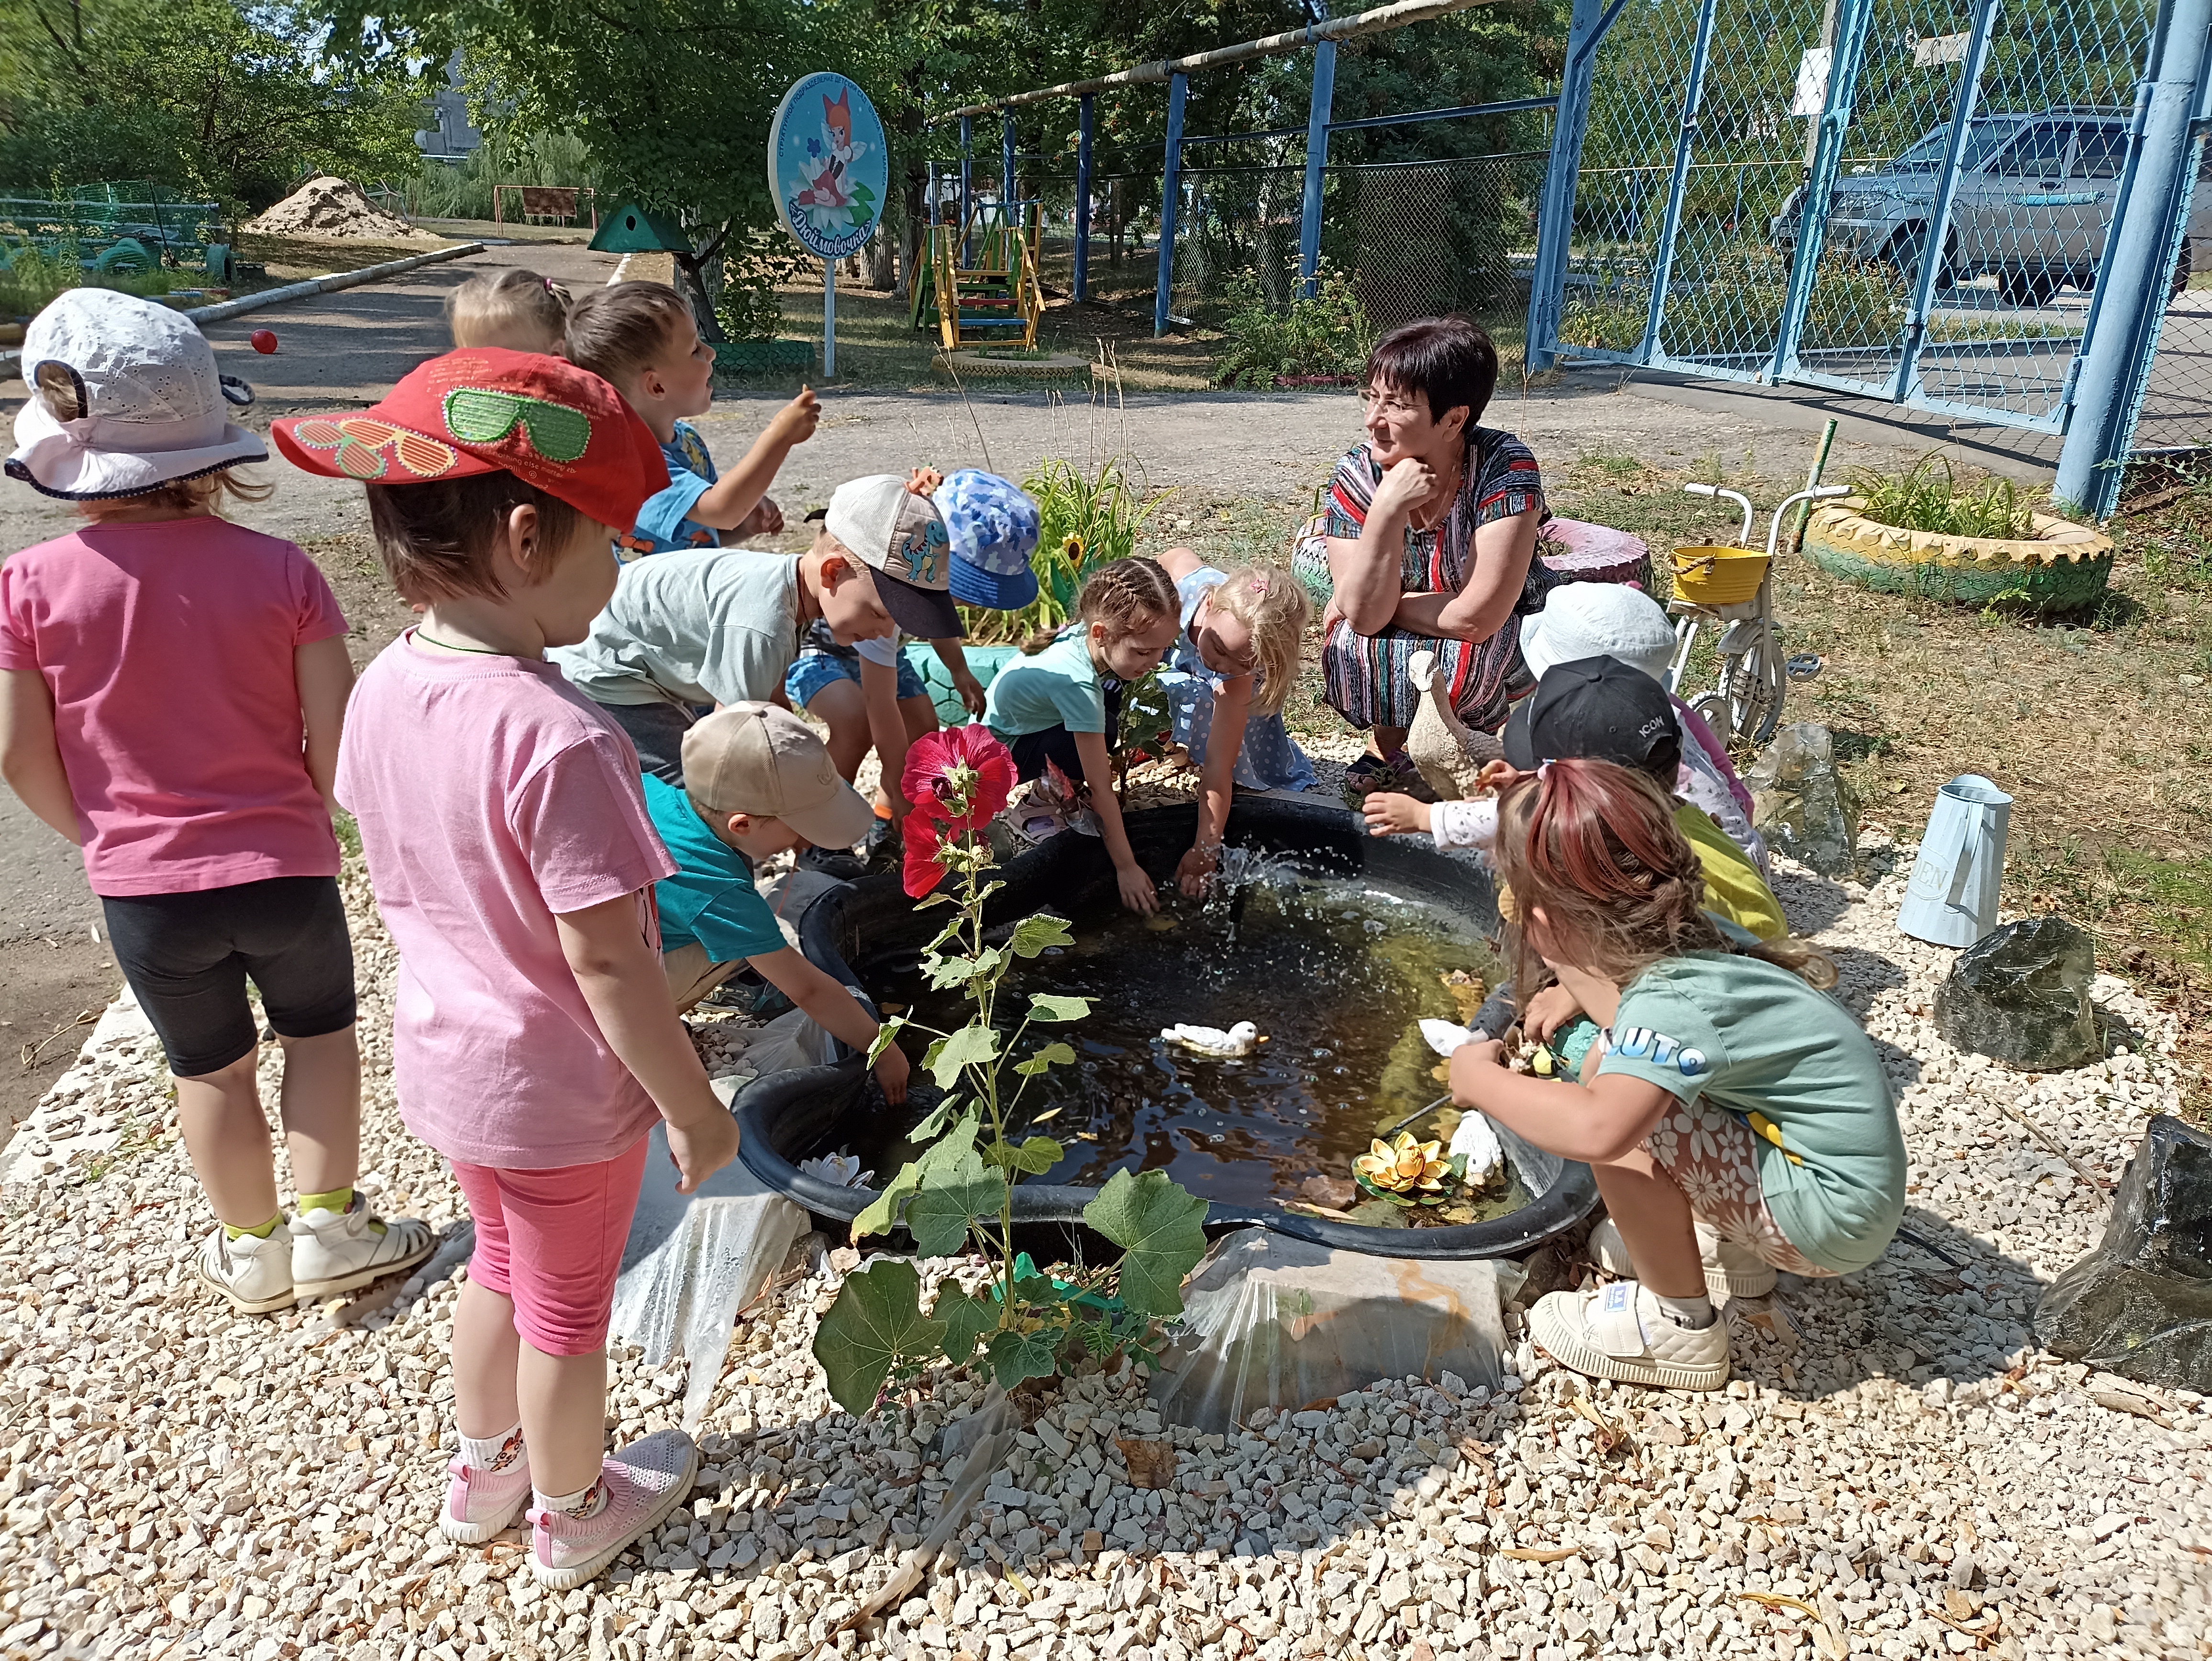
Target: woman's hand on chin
pixel 1405 484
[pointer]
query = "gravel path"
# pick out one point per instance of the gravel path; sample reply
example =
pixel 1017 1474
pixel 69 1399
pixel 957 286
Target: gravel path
pixel 1910 1478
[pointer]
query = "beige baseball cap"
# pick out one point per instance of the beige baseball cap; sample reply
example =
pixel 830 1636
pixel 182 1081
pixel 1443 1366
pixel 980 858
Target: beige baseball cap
pixel 759 758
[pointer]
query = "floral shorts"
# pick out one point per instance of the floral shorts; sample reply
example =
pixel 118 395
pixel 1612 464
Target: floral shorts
pixel 1710 1155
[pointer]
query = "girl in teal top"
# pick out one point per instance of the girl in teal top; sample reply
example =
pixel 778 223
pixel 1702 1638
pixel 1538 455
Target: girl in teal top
pixel 1736 1117
pixel 1058 707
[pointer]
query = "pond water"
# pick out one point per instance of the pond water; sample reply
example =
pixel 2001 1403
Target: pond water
pixel 1333 972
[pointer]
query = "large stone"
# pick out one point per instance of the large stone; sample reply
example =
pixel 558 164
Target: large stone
pixel 2141 1304
pixel 1802 802
pixel 2020 996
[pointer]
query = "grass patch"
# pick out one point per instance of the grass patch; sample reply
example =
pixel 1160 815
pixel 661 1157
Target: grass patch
pixel 1927 497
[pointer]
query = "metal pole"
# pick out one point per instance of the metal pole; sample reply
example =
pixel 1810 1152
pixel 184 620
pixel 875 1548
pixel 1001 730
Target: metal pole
pixel 967 187
pixel 1555 214
pixel 1852 19
pixel 1670 224
pixel 1939 212
pixel 1007 168
pixel 1317 111
pixel 1171 188
pixel 829 320
pixel 1082 284
pixel 2116 358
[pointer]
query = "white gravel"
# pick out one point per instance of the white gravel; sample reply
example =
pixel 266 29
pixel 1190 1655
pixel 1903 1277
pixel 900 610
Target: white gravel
pixel 1909 1479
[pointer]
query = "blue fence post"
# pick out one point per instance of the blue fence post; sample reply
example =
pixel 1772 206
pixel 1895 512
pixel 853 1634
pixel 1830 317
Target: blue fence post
pixel 1555 214
pixel 1932 261
pixel 2114 367
pixel 1670 225
pixel 967 187
pixel 1317 112
pixel 1082 284
pixel 1852 18
pixel 1170 187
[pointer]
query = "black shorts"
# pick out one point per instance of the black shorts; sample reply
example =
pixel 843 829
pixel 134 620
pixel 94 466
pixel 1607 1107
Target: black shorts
pixel 187 957
pixel 657 731
pixel 1056 745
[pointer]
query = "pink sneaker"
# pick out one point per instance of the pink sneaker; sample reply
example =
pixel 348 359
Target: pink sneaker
pixel 481 1503
pixel 643 1483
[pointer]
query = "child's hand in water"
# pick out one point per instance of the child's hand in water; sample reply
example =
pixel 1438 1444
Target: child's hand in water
pixel 1137 891
pixel 1196 870
pixel 891 1071
pixel 1390 815
pixel 1549 1012
pixel 796 421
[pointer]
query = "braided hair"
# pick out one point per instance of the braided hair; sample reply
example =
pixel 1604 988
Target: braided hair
pixel 1594 846
pixel 1124 595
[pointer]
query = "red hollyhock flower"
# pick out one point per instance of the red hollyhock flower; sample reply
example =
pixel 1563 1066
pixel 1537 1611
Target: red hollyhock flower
pixel 925 854
pixel 932 758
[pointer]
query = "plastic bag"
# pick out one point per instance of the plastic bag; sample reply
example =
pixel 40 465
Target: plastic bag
pixel 1273 1322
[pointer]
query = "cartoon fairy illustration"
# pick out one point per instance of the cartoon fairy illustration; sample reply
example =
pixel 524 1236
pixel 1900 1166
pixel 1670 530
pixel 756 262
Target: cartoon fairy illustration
pixel 835 152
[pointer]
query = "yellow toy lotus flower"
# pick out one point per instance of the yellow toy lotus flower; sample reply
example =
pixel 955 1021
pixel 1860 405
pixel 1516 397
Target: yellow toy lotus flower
pixel 1404 1166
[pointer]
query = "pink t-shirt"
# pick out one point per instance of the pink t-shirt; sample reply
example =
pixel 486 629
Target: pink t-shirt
pixel 491 795
pixel 167 649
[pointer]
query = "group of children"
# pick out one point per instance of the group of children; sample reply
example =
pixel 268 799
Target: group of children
pixel 564 774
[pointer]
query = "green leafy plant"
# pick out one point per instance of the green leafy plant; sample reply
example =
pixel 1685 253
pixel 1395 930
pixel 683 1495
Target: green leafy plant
pixel 1328 335
pixel 1083 520
pixel 958 1192
pixel 754 264
pixel 1927 497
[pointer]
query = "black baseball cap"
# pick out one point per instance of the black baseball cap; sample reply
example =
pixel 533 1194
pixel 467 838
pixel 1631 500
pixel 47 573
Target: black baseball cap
pixel 1593 709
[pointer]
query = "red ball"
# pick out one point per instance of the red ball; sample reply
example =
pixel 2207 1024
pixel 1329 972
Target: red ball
pixel 264 341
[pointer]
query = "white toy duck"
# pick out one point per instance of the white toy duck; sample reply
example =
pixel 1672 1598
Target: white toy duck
pixel 1239 1040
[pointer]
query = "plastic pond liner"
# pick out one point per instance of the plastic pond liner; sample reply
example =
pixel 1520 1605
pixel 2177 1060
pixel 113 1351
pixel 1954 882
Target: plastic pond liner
pixel 1330 939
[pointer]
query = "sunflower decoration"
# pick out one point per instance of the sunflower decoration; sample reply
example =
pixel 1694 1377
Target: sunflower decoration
pixel 1407 1172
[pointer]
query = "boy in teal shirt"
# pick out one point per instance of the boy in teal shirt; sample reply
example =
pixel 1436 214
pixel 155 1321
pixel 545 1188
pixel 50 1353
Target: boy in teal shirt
pixel 756 781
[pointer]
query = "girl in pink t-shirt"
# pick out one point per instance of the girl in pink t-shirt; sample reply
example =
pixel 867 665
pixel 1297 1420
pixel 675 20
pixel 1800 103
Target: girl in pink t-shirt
pixel 534 1042
pixel 171 690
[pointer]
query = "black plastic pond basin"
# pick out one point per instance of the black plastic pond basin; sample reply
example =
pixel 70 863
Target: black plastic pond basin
pixel 788 1116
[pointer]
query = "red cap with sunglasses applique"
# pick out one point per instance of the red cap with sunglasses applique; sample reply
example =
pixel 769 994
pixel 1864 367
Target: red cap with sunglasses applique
pixel 481 410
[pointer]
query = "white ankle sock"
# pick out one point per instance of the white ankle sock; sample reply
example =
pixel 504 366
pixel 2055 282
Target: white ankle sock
pixel 584 1502
pixel 1695 1313
pixel 491 1453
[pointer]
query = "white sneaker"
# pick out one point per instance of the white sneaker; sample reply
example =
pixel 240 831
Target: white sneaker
pixel 1620 1332
pixel 643 1483
pixel 254 1273
pixel 1731 1271
pixel 336 1251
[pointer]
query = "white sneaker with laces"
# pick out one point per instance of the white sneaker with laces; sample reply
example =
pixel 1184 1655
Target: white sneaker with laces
pixel 1731 1271
pixel 481 1503
pixel 1619 1331
pixel 336 1251
pixel 254 1273
pixel 642 1485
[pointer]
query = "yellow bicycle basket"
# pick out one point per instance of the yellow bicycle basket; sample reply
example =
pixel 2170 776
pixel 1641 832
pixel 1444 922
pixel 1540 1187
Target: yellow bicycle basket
pixel 1716 575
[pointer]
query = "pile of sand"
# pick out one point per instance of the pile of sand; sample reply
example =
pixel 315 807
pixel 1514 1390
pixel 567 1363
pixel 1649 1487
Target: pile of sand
pixel 327 206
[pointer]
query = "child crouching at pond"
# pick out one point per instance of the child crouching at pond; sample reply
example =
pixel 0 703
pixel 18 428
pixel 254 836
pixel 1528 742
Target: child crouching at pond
pixel 1728 1098
pixel 534 1041
pixel 1058 707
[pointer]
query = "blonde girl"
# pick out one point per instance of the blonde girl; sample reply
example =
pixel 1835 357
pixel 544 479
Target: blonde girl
pixel 513 308
pixel 1735 1116
pixel 1225 679
pixel 1059 705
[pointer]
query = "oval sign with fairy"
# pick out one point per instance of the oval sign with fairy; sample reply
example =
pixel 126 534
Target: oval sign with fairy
pixel 828 166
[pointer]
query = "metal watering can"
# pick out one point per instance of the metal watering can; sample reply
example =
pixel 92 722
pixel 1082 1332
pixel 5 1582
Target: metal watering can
pixel 1952 899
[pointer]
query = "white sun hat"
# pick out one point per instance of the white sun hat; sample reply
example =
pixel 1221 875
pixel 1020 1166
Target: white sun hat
pixel 1598 620
pixel 125 399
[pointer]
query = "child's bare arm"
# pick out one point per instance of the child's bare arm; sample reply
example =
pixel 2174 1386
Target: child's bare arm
pixel 1389 813
pixel 887 727
pixel 725 502
pixel 324 675
pixel 621 979
pixel 830 1005
pixel 1099 773
pixel 30 759
pixel 954 656
pixel 1217 781
pixel 1599 1123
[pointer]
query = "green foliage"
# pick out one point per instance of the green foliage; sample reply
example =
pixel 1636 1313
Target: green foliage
pixel 226 102
pixel 1083 520
pixel 754 264
pixel 1734 305
pixel 960 1189
pixel 1927 497
pixel 1329 334
pixel 508 155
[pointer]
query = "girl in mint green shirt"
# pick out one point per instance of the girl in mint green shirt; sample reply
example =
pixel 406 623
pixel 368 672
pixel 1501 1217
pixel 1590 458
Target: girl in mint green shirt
pixel 1735 1116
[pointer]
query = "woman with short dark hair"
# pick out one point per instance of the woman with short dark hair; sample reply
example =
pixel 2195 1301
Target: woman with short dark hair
pixel 1431 527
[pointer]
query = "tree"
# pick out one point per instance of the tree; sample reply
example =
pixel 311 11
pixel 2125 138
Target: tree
pixel 230 102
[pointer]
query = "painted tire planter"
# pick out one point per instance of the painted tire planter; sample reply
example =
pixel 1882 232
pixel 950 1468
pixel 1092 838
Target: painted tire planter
pixel 2060 567
pixel 785 1118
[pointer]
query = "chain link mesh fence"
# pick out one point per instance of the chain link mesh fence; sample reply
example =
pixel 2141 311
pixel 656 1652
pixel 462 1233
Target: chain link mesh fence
pixel 2177 405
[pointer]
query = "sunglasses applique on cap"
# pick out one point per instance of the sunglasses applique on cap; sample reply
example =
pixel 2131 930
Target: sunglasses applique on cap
pixel 362 441
pixel 473 415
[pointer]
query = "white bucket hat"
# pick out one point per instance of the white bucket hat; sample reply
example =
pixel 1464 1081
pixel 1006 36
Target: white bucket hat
pixel 125 399
pixel 1598 620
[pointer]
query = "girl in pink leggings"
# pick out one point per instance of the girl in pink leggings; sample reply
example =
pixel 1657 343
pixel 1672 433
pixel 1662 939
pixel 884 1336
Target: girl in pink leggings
pixel 534 1042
